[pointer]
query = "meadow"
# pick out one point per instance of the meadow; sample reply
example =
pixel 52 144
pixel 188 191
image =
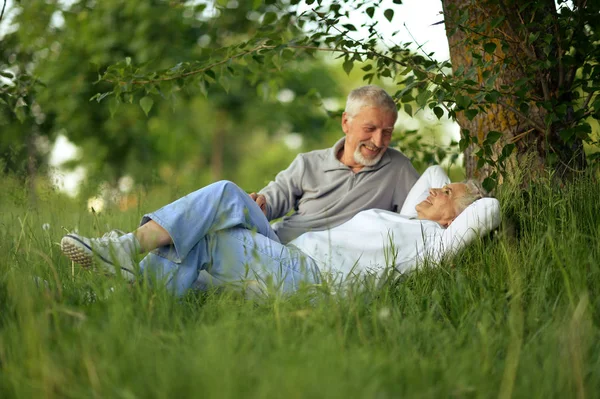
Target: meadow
pixel 516 314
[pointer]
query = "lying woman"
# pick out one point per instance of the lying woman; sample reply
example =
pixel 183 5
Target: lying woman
pixel 220 230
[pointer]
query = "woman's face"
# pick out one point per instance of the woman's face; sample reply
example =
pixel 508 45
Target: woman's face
pixel 441 205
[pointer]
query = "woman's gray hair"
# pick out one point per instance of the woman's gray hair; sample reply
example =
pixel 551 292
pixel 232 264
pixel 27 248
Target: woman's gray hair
pixel 474 192
pixel 369 96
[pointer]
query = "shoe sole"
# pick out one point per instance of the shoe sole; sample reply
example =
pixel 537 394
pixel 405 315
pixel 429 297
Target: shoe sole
pixel 78 252
pixel 81 253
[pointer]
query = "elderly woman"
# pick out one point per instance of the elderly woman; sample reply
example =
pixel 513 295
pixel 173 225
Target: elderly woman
pixel 220 230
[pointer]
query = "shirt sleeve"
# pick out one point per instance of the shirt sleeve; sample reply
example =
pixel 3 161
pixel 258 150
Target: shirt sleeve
pixel 283 193
pixel 407 176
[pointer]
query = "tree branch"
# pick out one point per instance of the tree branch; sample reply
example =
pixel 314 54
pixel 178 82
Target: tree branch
pixel 420 47
pixel 3 7
pixel 533 123
pixel 195 71
pixel 561 69
pixel 265 47
pixel 587 100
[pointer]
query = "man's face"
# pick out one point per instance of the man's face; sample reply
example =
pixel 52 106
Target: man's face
pixel 368 134
pixel 442 203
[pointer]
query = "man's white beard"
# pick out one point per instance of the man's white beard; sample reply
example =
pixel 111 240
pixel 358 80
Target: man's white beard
pixel 360 159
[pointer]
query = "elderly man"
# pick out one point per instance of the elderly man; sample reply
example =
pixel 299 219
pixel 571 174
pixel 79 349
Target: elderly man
pixel 226 234
pixel 327 187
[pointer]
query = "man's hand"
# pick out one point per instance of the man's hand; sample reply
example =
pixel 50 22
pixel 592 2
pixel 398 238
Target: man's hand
pixel 261 201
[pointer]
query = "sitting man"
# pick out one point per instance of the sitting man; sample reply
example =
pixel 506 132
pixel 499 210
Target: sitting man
pixel 328 187
pixel 221 230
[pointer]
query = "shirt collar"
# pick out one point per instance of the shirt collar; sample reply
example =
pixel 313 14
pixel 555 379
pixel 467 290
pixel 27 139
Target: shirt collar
pixel 332 163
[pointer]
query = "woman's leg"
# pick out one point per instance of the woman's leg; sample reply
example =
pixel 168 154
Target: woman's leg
pixel 188 220
pixel 237 257
pixel 175 229
pixel 433 177
pixel 242 255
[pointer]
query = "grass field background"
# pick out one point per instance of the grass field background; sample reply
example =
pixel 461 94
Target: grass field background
pixel 514 315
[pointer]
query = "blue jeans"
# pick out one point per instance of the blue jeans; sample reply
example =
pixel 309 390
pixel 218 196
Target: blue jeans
pixel 221 230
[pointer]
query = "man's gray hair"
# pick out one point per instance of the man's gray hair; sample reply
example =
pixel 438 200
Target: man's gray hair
pixel 474 192
pixel 369 96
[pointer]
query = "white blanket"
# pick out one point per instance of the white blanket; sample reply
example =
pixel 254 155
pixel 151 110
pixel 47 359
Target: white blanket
pixel 375 240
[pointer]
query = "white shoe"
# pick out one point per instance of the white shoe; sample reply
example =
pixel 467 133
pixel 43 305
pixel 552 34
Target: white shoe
pixel 107 252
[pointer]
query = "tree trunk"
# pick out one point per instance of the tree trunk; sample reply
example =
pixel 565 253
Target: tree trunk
pixel 533 137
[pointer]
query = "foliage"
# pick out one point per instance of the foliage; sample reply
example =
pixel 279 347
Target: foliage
pixel 512 316
pixel 555 49
pixel 144 137
pixel 22 120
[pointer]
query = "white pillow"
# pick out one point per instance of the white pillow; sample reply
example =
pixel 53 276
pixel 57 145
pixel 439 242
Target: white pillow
pixel 481 217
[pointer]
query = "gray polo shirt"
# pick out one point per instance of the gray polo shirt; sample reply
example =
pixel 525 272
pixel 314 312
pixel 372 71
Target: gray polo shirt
pixel 325 193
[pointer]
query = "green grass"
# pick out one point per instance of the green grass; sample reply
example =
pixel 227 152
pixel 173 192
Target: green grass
pixel 514 315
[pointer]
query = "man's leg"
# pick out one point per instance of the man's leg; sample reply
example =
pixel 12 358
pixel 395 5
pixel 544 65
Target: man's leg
pixel 433 177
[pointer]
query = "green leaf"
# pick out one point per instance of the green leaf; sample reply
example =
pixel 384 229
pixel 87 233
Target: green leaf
pixel 463 101
pixel 533 37
pixel 20 113
pixel 210 73
pixel 146 103
pixel 370 11
pixel 492 96
pixel 350 27
pixel 225 83
pixel 471 113
pixel 439 112
pixel 348 65
pixel 127 61
pixel 489 47
pixel 566 134
pixel 7 75
pixel 112 106
pixel 368 77
pixel 508 149
pixel 492 137
pixel 489 184
pixel 524 107
pixel 463 143
pixel 397 1
pixel 389 14
pixel 100 96
pixel 408 109
pixel 422 98
pixel 594 156
pixel 269 18
pixel 497 21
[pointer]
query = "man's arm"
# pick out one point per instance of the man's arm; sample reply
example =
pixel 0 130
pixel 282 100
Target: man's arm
pixel 261 201
pixel 280 195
